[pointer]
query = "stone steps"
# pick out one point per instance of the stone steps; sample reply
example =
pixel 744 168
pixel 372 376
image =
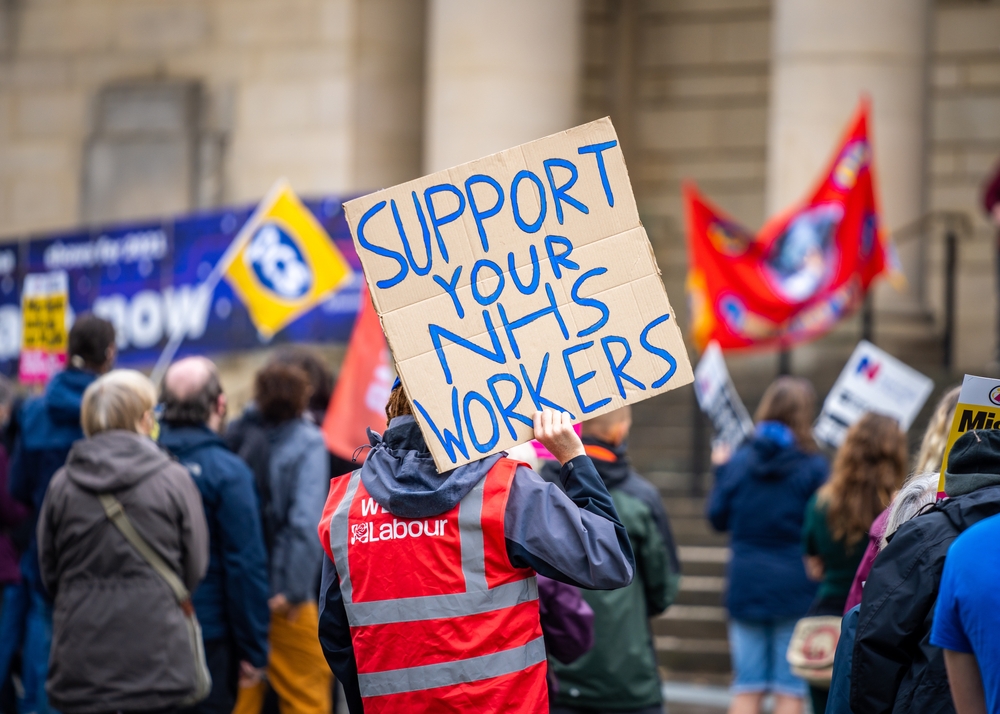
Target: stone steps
pixel 691 635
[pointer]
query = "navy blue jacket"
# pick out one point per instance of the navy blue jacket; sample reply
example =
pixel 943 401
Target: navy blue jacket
pixel 46 427
pixel 839 701
pixel 760 497
pixel 231 601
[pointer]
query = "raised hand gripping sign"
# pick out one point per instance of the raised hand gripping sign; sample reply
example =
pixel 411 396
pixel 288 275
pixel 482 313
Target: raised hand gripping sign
pixel 520 281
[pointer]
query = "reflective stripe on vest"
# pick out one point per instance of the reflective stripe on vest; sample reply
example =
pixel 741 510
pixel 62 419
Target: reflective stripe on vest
pixel 462 671
pixel 477 599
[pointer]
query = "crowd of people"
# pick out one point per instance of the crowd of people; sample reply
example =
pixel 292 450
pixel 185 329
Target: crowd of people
pixel 908 580
pixel 156 556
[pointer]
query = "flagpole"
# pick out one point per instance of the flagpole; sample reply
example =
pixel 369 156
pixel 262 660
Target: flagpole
pixel 784 361
pixel 215 277
pixel 176 339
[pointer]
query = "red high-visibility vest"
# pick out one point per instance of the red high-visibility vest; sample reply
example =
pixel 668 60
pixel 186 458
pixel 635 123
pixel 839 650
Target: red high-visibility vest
pixel 440 619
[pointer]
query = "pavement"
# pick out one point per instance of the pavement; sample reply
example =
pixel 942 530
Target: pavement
pixel 693 698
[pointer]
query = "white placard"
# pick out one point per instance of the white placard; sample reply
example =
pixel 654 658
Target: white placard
pixel 718 398
pixel 872 381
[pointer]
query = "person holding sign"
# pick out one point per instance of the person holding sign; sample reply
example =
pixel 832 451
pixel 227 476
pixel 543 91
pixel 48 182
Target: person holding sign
pixel 429 599
pixel 896 666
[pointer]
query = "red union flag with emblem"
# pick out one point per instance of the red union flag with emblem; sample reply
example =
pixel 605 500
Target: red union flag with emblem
pixel 807 268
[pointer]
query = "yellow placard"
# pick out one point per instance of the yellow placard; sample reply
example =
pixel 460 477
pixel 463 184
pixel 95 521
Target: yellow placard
pixel 44 336
pixel 978 408
pixel 44 323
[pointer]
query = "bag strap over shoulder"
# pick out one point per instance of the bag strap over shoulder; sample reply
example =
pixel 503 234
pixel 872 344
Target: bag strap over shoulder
pixel 116 514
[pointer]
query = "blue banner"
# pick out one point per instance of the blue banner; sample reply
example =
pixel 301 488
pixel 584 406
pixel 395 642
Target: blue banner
pixel 147 279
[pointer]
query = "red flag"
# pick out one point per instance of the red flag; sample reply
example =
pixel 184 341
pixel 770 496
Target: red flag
pixel 806 269
pixel 363 387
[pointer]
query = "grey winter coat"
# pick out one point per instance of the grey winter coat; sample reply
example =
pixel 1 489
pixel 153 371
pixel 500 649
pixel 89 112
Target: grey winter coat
pixel 119 638
pixel 298 484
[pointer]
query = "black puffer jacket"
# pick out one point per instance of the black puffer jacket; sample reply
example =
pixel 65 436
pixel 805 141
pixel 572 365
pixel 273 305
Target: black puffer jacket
pixel 896 669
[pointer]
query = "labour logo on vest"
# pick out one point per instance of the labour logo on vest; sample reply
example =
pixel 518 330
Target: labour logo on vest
pixel 396 529
pixel 276 260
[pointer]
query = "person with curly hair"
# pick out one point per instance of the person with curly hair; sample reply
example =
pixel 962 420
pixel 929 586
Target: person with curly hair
pixel 868 470
pixel 931 454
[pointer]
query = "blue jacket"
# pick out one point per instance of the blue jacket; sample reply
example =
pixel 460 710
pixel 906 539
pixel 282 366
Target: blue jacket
pixel 231 601
pixel 47 427
pixel 574 537
pixel 760 497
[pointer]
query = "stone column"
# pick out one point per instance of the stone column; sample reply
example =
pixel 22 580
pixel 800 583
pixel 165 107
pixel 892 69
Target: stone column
pixel 825 54
pixel 388 117
pixel 498 74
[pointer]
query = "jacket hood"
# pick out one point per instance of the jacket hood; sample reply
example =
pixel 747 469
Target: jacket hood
pixel 114 460
pixel 774 448
pixel 611 461
pixel 967 510
pixel 64 395
pixel 182 439
pixel 401 476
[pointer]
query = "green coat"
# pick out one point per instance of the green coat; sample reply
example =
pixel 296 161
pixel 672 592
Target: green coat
pixel 620 670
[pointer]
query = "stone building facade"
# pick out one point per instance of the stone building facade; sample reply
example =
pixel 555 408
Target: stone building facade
pixel 118 109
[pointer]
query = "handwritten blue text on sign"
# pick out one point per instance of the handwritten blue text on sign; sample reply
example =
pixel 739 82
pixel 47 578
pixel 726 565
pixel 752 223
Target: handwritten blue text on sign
pixel 516 282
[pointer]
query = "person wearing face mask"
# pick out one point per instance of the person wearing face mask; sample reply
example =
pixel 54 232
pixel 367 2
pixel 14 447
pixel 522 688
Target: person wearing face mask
pixel 619 673
pixel 122 541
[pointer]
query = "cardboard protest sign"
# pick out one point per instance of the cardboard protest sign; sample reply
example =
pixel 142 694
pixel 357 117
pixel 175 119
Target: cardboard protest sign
pixel 718 398
pixel 871 381
pixel 44 336
pixel 978 408
pixel 519 281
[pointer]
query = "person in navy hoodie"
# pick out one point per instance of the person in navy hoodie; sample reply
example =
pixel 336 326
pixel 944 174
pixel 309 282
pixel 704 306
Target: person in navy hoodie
pixel 47 426
pixel 231 601
pixel 760 497
pixel 12 593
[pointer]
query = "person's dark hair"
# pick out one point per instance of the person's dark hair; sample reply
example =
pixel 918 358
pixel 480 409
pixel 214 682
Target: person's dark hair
pixel 792 402
pixel 196 408
pixel 281 392
pixel 398 404
pixel 869 469
pixel 89 340
pixel 320 377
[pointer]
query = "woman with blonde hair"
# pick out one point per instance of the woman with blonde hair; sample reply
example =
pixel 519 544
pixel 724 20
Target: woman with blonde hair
pixel 760 496
pixel 931 452
pixel 121 533
pixel 868 470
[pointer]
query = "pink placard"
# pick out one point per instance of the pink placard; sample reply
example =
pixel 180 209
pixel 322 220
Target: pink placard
pixel 543 453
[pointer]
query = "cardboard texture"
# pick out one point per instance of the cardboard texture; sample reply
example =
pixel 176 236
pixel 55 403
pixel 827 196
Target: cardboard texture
pixel 519 281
